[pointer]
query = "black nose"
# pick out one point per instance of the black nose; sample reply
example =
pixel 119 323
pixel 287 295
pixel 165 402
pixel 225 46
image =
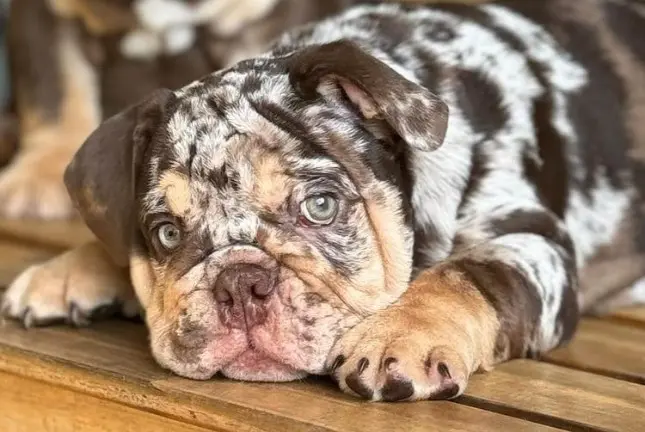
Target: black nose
pixel 243 281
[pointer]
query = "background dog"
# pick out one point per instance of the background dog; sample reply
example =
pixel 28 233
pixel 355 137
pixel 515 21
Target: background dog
pixel 397 196
pixel 75 62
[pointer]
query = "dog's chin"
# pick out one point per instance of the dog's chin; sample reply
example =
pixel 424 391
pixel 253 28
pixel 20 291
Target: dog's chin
pixel 252 365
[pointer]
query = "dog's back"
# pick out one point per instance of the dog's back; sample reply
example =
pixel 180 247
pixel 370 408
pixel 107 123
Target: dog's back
pixel 607 120
pixel 590 134
pixel 556 88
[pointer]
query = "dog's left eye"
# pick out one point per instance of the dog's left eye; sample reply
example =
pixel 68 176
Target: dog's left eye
pixel 319 209
pixel 169 235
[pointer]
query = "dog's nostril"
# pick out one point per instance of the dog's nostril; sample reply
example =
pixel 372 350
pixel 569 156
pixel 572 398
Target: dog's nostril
pixel 223 296
pixel 262 288
pixel 243 281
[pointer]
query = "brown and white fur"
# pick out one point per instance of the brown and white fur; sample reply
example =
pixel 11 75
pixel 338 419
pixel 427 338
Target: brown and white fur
pixel 486 165
pixel 77 62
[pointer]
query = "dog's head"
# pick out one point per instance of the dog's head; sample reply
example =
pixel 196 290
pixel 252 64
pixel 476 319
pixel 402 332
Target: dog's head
pixel 262 210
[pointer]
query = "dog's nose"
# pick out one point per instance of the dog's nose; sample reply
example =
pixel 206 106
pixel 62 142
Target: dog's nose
pixel 243 281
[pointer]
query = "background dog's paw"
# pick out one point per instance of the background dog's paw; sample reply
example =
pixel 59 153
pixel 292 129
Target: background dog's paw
pixel 387 357
pixel 76 287
pixel 32 186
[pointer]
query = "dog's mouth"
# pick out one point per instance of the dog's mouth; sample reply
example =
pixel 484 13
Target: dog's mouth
pixel 254 365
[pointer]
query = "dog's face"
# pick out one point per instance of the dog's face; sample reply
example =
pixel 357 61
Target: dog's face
pixel 262 210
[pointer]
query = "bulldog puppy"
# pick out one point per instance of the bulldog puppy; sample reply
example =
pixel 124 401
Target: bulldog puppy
pixel 396 196
pixel 77 62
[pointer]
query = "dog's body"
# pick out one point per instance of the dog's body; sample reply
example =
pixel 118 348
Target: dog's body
pixel 76 62
pixel 396 196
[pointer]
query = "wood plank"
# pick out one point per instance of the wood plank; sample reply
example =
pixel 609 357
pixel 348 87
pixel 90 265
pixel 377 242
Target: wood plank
pixel 607 348
pixel 56 235
pixel 127 356
pixel 16 257
pixel 103 366
pixel 50 408
pixel 132 392
pixel 320 403
pixel 634 316
pixel 570 399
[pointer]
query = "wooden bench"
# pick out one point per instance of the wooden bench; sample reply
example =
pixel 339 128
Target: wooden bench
pixel 103 379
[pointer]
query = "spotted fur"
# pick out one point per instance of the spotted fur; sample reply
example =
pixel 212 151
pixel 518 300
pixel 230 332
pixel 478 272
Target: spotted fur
pixel 485 163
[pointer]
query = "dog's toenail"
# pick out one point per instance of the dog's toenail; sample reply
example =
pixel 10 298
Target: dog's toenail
pixel 338 362
pixel 28 319
pixel 77 317
pixel 362 365
pixel 447 393
pixel 389 362
pixel 354 382
pixel 443 370
pixel 396 390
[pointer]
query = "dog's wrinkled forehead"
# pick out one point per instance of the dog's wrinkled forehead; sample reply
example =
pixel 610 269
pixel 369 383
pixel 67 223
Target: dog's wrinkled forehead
pixel 244 137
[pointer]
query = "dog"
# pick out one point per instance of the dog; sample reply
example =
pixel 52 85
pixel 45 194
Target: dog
pixel 397 196
pixel 76 62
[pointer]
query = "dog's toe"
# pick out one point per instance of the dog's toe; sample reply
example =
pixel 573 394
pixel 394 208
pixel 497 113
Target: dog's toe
pixel 78 287
pixel 32 187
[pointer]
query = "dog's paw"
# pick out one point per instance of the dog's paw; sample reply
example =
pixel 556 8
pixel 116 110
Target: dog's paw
pixel 32 186
pixel 393 356
pixel 76 287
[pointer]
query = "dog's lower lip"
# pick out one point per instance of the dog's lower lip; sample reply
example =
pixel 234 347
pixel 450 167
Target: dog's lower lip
pixel 254 365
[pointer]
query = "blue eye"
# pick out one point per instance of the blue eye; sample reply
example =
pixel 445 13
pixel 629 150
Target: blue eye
pixel 169 236
pixel 319 209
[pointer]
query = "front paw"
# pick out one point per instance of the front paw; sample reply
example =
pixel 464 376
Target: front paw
pixel 395 356
pixel 32 186
pixel 77 287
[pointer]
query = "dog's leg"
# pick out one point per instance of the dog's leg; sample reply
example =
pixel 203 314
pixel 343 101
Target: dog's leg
pixel 631 296
pixel 76 287
pixel 504 295
pixel 58 106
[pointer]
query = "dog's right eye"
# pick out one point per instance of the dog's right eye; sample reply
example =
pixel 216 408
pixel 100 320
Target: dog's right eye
pixel 319 209
pixel 169 235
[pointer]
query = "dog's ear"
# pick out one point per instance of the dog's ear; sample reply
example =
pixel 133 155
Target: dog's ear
pixel 418 116
pixel 101 177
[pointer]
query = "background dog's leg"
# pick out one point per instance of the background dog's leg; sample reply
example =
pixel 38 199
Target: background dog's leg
pixel 631 296
pixel 58 106
pixel 76 287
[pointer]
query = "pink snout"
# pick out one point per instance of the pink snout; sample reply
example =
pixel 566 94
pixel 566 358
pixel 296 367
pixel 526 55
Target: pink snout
pixel 242 292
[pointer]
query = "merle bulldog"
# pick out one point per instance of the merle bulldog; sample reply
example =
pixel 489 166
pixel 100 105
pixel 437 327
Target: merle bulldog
pixel 398 196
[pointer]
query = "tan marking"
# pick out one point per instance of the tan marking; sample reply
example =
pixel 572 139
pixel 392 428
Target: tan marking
pixel 91 204
pixel 142 278
pixel 80 111
pixel 101 17
pixel 272 185
pixel 459 314
pixel 176 188
pixel 388 225
pixel 441 318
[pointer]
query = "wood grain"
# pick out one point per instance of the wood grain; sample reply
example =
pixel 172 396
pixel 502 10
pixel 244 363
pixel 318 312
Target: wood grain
pixel 44 407
pixel 103 367
pixel 564 397
pixel 15 257
pixel 634 316
pixel 606 348
pixel 319 402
